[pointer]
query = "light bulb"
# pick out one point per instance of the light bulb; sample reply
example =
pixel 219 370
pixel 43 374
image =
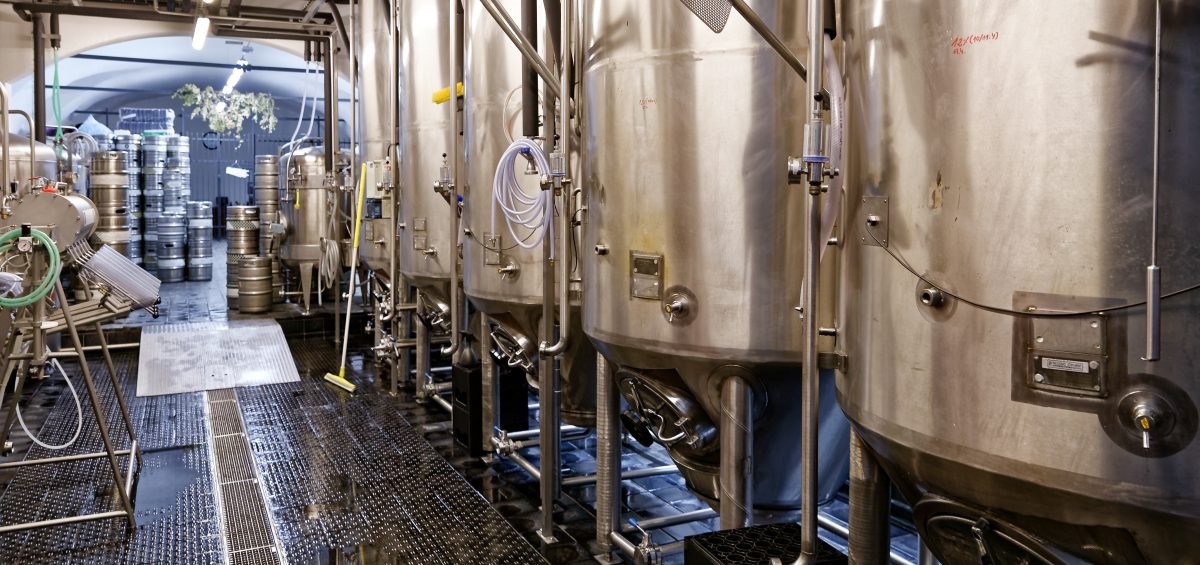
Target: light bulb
pixel 200 34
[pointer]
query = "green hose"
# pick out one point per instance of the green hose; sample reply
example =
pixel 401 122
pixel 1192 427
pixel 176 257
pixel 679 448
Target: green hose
pixel 52 273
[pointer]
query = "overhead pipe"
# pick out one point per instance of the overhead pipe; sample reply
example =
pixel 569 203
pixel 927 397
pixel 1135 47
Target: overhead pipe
pixel 568 200
pixel 330 103
pixel 456 76
pixel 339 24
pixel 510 29
pixel 529 75
pixel 773 40
pixel 39 81
pixel 5 96
pixel 240 20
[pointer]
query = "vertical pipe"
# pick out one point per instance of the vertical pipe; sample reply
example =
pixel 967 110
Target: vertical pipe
pixel 455 56
pixel 925 557
pixel 869 539
pixel 810 393
pixel 566 212
pixel 422 361
pixel 396 284
pixel 608 456
pixel 529 77
pixel 548 396
pixel 5 96
pixel 1153 282
pixel 737 447
pixel 487 367
pixel 39 80
pixel 330 100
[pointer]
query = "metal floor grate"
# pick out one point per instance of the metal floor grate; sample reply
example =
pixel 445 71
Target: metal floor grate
pixel 249 536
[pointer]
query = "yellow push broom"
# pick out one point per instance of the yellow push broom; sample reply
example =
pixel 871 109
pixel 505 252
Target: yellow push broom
pixel 340 378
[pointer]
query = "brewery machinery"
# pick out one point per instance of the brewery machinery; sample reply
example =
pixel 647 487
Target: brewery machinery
pixel 1019 326
pixel 308 207
pixel 427 247
pixel 693 248
pixel 518 202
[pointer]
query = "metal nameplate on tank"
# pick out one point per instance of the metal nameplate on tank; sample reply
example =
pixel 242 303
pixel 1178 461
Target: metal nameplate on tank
pixel 420 241
pixel 645 275
pixel 491 249
pixel 1065 361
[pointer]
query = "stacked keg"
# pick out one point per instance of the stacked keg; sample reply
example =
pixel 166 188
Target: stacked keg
pixel 255 294
pixel 266 194
pixel 199 241
pixel 130 145
pixel 172 238
pixel 242 232
pixel 154 160
pixel 110 192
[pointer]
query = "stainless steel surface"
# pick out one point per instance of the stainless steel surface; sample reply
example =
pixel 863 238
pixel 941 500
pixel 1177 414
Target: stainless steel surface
pixel 255 294
pixel 307 224
pixel 566 198
pixel 608 457
pixel 172 239
pixel 66 218
pixel 1153 280
pixel 714 206
pixel 945 94
pixel 737 445
pixel 427 144
pixel 177 358
pixel 869 536
pixel 506 285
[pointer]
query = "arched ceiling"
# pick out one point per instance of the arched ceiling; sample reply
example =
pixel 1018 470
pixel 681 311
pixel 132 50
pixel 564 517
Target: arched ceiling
pixel 124 72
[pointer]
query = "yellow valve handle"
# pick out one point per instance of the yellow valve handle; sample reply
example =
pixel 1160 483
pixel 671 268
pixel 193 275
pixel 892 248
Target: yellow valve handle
pixel 443 95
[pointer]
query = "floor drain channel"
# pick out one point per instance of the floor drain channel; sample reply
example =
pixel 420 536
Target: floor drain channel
pixel 249 536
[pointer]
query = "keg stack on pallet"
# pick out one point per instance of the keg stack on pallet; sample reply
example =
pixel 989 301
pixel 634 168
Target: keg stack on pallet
pixel 242 233
pixel 109 186
pixel 266 194
pixel 130 144
pixel 199 241
pixel 154 162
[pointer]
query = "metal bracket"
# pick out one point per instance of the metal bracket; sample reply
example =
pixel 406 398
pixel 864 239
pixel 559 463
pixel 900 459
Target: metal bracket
pixel 833 360
pixel 875 221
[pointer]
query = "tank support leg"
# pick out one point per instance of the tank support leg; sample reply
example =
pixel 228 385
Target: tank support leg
pixel 737 447
pixel 869 505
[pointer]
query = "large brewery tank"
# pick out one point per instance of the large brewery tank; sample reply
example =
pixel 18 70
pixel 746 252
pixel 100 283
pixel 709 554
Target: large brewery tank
pixel 693 239
pixel 305 212
pixel 1007 151
pixel 427 246
pixel 377 102
pixel 501 278
pixel 44 162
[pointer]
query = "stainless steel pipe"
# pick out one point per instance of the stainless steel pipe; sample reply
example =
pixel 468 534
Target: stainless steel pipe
pixel 566 213
pixel 456 297
pixel 608 456
pixel 737 445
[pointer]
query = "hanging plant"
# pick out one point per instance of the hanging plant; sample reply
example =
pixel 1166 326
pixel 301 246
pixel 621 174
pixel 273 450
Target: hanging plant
pixel 227 113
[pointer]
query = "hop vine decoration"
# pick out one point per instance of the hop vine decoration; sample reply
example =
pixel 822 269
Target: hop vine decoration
pixel 227 114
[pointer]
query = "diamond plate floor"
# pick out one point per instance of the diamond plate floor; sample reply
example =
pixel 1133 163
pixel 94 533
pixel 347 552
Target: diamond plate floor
pixel 345 477
pixel 195 356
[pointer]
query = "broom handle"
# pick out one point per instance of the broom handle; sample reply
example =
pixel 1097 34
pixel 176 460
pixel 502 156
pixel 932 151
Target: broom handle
pixel 353 267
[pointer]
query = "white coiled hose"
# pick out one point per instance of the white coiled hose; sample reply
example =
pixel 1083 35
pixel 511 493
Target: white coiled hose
pixel 78 413
pixel 534 212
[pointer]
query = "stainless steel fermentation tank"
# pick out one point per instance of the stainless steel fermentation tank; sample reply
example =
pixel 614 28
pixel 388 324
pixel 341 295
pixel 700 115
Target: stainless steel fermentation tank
pixel 1005 151
pixel 502 279
pixel 693 244
pixel 373 39
pixel 305 211
pixel 427 247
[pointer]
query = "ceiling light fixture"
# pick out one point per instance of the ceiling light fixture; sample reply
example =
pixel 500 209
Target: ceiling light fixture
pixel 238 70
pixel 201 33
